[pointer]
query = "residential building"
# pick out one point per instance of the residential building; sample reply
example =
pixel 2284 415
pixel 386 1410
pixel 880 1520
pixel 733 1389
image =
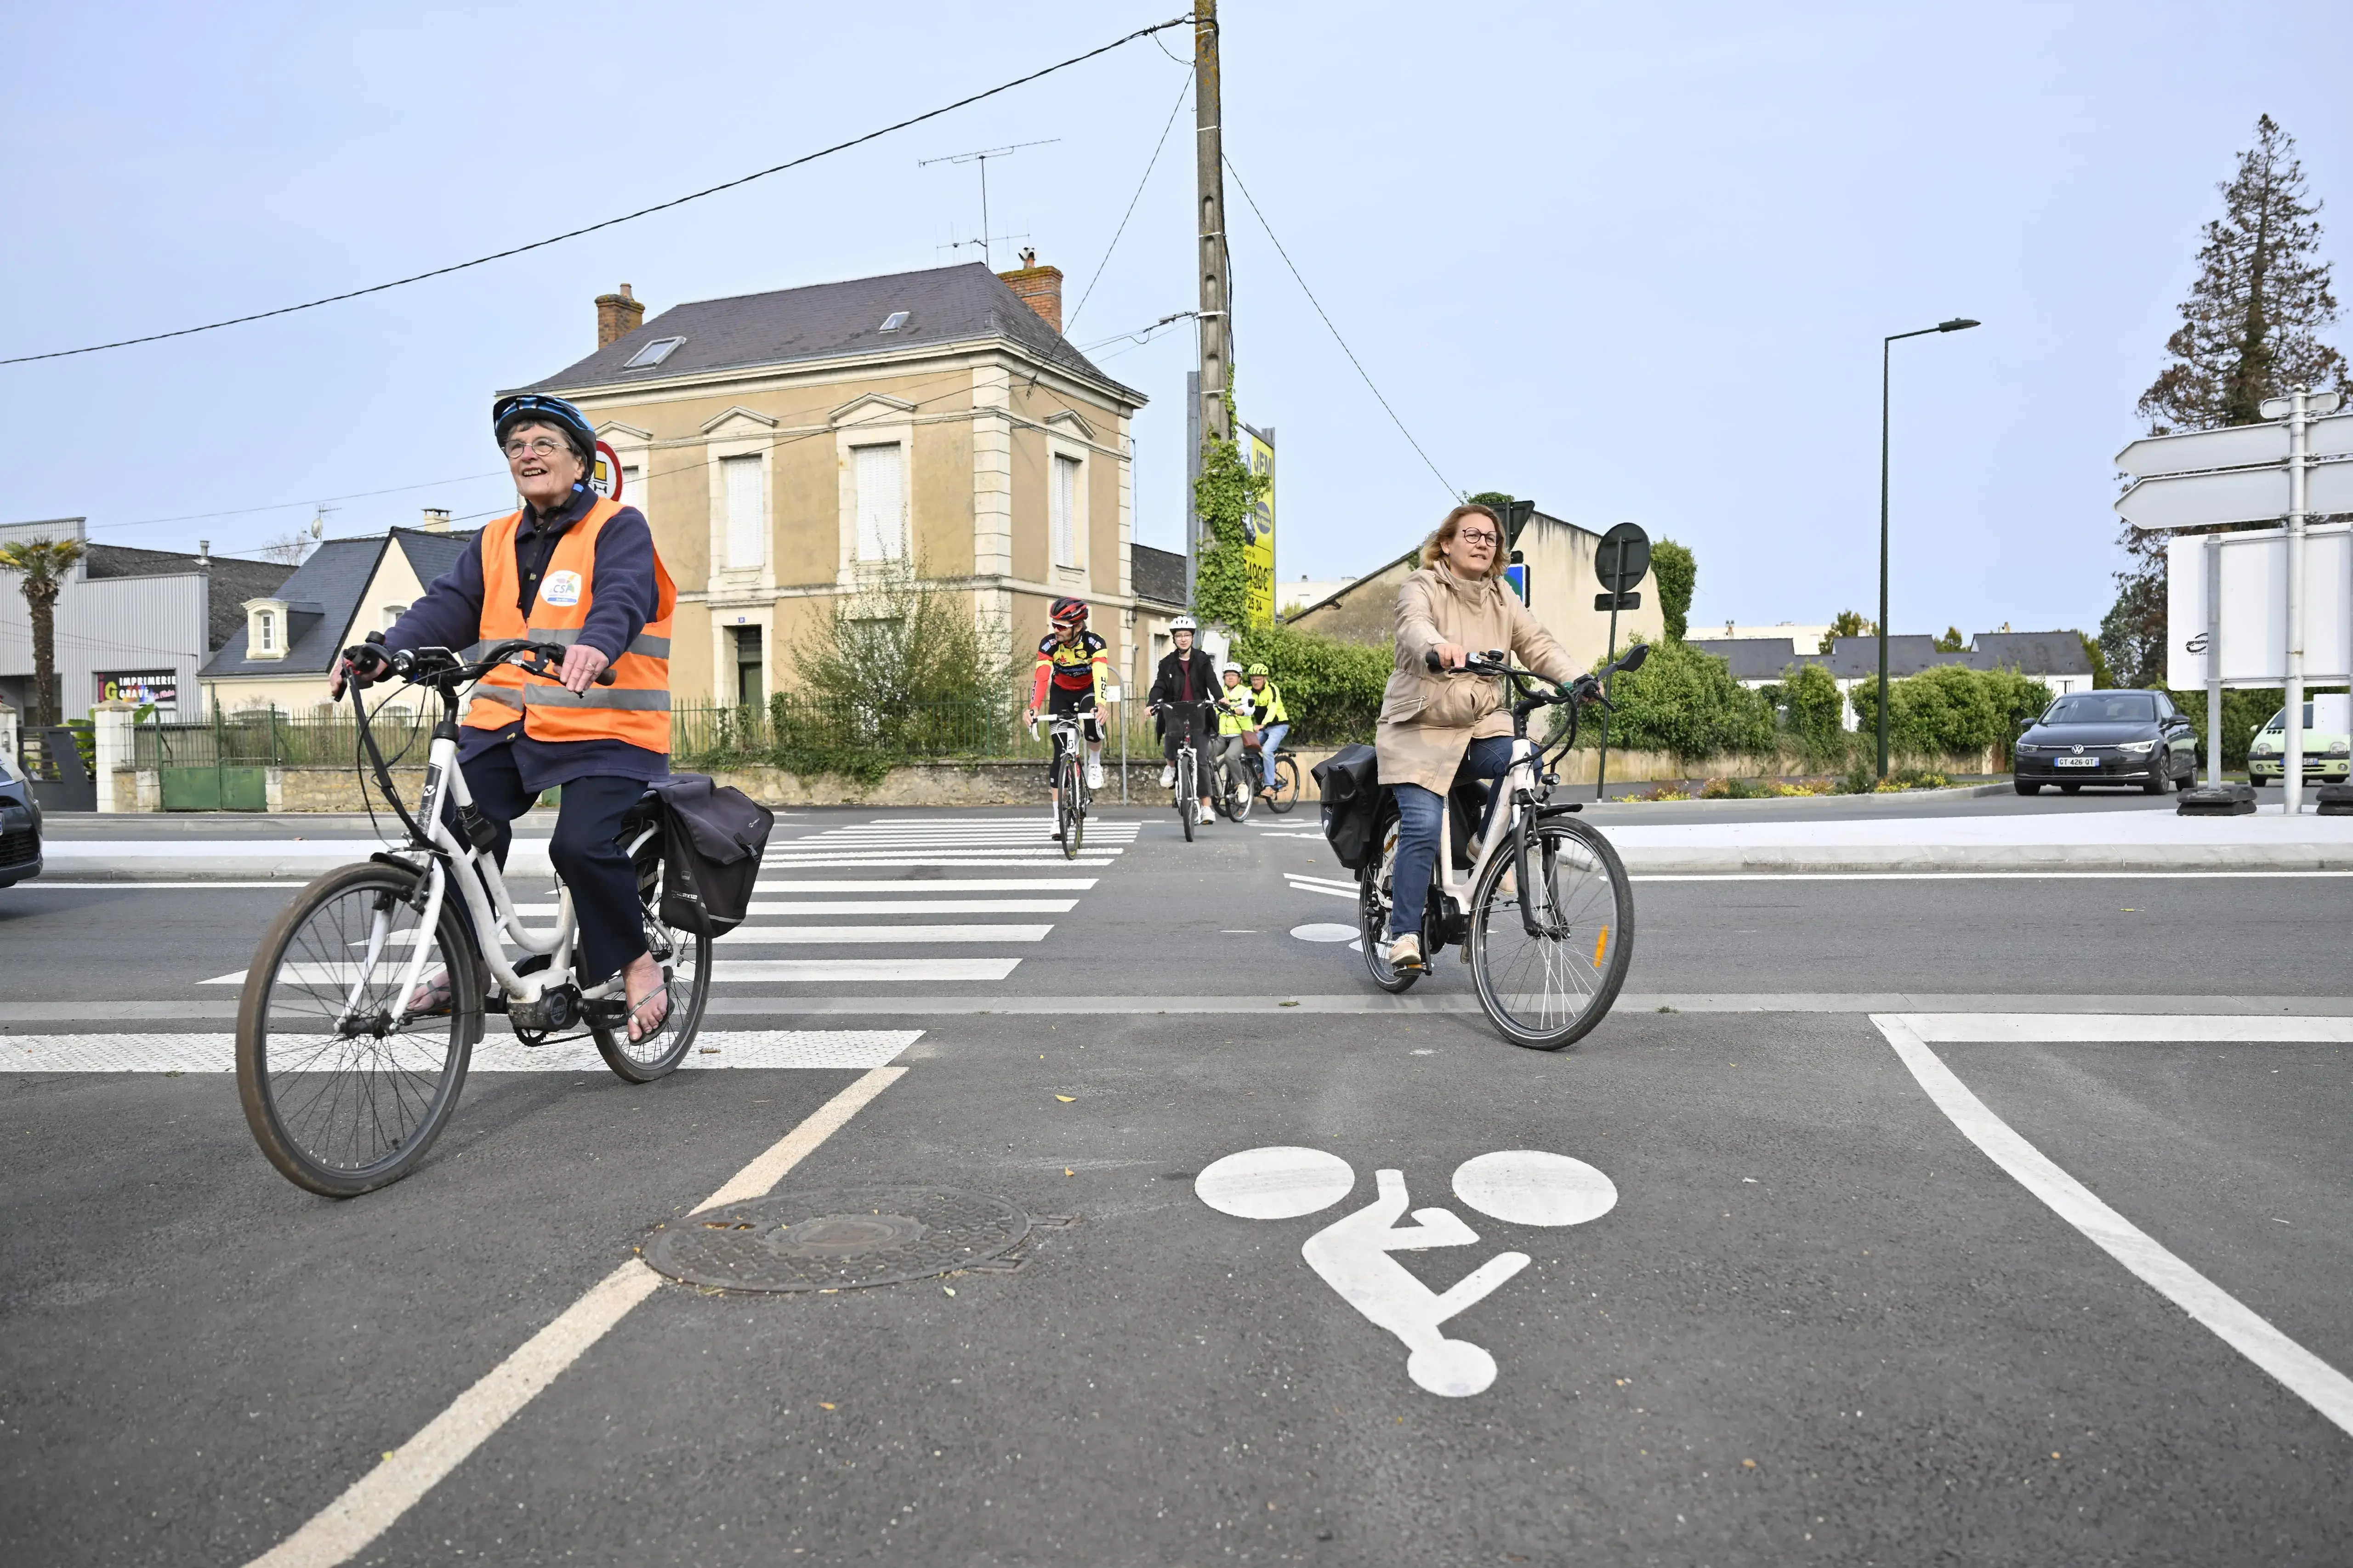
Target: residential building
pixel 1158 580
pixel 1561 580
pixel 1807 637
pixel 286 640
pixel 132 624
pixel 2058 660
pixel 1289 597
pixel 790 447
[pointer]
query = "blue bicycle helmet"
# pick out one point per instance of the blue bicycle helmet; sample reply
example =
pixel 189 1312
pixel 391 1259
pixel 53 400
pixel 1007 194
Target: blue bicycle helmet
pixel 537 408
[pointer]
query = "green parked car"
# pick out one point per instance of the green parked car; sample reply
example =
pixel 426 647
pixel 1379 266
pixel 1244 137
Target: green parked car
pixel 2327 743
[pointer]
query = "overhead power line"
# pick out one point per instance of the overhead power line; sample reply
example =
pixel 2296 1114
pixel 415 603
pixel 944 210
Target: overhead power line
pixel 1150 164
pixel 1452 492
pixel 625 217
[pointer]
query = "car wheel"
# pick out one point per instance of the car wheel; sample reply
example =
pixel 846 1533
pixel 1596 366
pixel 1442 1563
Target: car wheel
pixel 2027 787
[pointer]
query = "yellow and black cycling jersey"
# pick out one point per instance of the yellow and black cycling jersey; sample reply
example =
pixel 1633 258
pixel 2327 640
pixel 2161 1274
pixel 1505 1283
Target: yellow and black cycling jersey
pixel 1081 664
pixel 1266 706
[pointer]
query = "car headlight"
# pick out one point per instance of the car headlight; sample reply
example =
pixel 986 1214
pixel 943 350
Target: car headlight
pixel 2264 748
pixel 2027 747
pixel 2341 749
pixel 2137 748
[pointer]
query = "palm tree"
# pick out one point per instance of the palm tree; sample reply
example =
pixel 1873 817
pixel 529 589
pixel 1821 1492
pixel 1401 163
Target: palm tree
pixel 44 563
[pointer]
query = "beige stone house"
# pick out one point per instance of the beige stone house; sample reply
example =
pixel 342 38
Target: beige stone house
pixel 787 447
pixel 1562 584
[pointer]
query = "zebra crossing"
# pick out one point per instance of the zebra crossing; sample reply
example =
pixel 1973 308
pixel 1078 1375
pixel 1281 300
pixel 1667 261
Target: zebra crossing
pixel 798 910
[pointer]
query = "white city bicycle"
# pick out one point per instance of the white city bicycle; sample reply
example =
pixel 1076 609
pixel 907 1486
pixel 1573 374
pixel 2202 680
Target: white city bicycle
pixel 368 994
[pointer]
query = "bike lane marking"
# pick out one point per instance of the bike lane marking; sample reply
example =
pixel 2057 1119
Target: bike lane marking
pixel 2304 1375
pixel 372 1504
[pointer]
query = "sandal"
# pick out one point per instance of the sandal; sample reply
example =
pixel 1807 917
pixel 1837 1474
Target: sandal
pixel 639 1036
pixel 432 997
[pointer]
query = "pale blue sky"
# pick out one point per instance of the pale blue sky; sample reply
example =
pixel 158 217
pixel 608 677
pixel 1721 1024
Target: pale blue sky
pixel 1631 262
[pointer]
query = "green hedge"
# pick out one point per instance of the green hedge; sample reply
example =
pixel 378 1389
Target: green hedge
pixel 1331 688
pixel 1685 702
pixel 1951 710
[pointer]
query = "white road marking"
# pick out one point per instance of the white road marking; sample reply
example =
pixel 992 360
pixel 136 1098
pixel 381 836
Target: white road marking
pixel 1528 1187
pixel 1274 1183
pixel 1320 933
pixel 841 936
pixel 929 885
pixel 371 1505
pixel 1348 893
pixel 1323 881
pixel 43 885
pixel 1089 857
pixel 2109 1028
pixel 1959 876
pixel 735 971
pixel 763 907
pixel 768 1049
pixel 2306 1375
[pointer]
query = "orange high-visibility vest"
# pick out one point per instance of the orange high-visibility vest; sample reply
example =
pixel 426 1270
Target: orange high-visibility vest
pixel 635 709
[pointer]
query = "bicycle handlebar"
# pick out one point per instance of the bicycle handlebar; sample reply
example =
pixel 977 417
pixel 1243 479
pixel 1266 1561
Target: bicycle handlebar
pixel 441 667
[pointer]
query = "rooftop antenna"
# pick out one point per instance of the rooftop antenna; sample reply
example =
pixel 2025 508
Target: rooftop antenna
pixel 982 157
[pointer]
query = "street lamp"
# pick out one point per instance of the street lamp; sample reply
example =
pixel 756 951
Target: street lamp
pixel 1957 324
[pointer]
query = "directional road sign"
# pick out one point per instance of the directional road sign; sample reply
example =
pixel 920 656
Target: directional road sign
pixel 2235 447
pixel 2234 495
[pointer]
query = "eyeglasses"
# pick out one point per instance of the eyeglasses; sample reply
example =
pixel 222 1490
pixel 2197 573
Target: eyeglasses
pixel 1474 536
pixel 538 446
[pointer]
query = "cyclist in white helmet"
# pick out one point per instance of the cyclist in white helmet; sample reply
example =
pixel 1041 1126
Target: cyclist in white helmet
pixel 1186 678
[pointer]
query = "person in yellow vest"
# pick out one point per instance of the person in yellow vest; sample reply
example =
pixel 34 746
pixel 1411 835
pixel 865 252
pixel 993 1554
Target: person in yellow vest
pixel 572 568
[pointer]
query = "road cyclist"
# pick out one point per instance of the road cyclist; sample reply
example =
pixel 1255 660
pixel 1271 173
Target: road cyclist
pixel 1072 675
pixel 1184 689
pixel 1272 723
pixel 1547 924
pixel 366 996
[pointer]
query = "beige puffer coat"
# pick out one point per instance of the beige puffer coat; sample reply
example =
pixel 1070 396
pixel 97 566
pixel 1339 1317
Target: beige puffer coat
pixel 1429 721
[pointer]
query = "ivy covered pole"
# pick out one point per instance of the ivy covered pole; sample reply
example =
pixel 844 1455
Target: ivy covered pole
pixel 1222 499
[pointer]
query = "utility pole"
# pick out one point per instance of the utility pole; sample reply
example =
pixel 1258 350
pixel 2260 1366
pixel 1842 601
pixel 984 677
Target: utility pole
pixel 1209 179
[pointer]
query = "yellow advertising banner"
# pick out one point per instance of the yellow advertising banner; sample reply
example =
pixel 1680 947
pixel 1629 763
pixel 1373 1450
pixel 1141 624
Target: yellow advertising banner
pixel 1258 552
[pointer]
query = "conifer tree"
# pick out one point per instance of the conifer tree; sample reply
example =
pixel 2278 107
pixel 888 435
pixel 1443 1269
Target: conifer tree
pixel 2250 330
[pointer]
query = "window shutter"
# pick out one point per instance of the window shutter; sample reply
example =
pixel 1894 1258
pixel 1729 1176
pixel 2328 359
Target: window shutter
pixel 747 511
pixel 882 502
pixel 1064 503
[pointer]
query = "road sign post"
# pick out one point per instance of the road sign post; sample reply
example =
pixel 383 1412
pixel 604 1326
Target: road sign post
pixel 2250 473
pixel 1620 561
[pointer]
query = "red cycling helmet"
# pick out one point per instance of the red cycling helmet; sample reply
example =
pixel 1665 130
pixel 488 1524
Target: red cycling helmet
pixel 1069 612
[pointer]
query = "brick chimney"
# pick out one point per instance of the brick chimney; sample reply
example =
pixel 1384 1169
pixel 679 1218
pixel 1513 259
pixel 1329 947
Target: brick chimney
pixel 617 315
pixel 1041 288
pixel 437 520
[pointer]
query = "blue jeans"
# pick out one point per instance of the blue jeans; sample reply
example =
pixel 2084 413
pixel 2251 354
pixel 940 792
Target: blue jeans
pixel 1420 813
pixel 1269 739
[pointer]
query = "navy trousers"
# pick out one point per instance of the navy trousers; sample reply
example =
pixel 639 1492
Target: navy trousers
pixel 586 849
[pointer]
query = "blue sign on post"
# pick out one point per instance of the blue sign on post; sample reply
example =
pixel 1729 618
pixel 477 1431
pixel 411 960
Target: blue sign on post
pixel 1517 574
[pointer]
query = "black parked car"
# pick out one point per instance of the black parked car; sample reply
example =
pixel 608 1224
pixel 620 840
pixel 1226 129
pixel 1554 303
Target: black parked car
pixel 20 825
pixel 2107 738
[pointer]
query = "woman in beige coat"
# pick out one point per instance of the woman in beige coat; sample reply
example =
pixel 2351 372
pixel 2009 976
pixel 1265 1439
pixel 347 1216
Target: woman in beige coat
pixel 1439 729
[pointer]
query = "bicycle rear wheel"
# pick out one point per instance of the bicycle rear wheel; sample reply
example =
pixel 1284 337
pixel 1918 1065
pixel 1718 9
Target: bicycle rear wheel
pixel 685 959
pixel 345 1088
pixel 1549 990
pixel 1375 897
pixel 1238 787
pixel 1286 793
pixel 1188 791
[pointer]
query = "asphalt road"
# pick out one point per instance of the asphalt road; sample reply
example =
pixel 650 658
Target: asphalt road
pixel 1818 1323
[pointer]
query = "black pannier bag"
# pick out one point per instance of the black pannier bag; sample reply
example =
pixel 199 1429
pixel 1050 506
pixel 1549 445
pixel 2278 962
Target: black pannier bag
pixel 1349 781
pixel 713 837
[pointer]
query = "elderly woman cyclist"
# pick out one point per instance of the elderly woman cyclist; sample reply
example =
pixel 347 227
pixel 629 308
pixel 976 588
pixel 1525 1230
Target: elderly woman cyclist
pixel 1440 728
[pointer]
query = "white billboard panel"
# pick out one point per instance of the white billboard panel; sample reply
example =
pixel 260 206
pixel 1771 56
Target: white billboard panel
pixel 2254 607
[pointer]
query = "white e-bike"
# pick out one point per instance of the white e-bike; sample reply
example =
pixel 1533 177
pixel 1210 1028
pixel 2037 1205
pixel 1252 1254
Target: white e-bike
pixel 368 996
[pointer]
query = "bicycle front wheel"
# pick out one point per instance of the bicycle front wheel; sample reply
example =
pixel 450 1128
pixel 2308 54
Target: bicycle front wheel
pixel 1286 793
pixel 685 959
pixel 1547 988
pixel 346 1078
pixel 1071 810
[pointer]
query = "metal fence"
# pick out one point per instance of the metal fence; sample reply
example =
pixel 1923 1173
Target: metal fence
pixel 264 737
pixel 788 725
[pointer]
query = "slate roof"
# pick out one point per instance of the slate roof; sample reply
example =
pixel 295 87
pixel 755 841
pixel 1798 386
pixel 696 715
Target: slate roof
pixel 1157 574
pixel 832 320
pixel 2031 653
pixel 232 582
pixel 1756 659
pixel 324 594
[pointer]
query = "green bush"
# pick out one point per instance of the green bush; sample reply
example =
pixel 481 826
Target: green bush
pixel 1812 707
pixel 1951 710
pixel 1685 702
pixel 1331 688
pixel 2244 713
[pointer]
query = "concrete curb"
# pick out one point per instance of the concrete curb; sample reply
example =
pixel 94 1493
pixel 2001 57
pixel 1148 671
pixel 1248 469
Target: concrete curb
pixel 2015 858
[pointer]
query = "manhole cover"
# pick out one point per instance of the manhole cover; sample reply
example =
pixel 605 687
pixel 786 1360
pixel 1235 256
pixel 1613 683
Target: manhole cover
pixel 837 1238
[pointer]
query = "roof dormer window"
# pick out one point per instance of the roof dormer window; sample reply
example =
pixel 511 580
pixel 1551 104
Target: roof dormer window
pixel 894 321
pixel 653 355
pixel 266 628
pixel 265 623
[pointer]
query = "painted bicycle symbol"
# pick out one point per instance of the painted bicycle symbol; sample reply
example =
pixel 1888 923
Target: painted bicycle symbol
pixel 1520 1186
